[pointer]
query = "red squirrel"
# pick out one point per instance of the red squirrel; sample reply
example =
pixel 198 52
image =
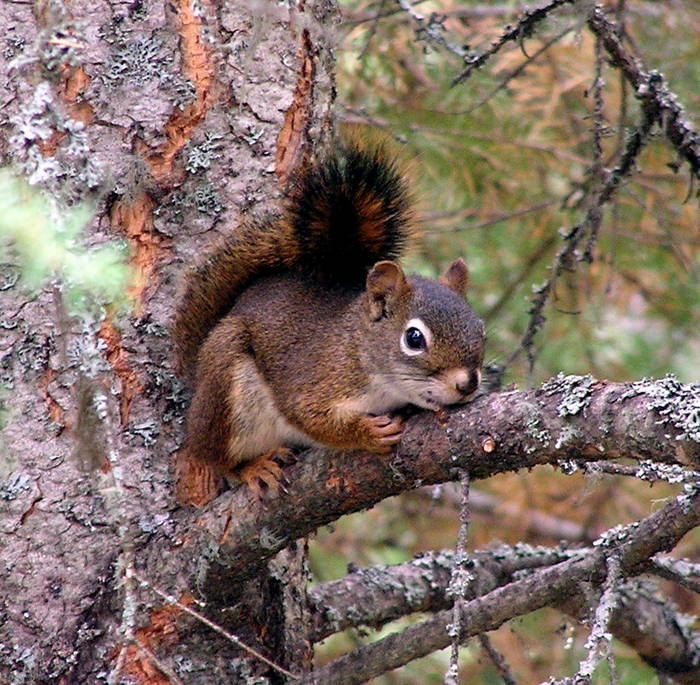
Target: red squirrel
pixel 302 329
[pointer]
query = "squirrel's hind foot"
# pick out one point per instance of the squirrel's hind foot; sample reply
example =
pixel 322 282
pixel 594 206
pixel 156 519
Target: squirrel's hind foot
pixel 265 471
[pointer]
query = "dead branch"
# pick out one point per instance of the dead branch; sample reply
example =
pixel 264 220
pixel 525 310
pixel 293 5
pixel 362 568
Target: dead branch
pixel 633 545
pixel 651 89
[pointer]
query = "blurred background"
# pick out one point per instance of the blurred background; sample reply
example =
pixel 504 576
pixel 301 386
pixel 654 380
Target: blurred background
pixel 503 164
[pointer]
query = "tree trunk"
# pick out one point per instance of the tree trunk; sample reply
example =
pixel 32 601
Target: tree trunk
pixel 174 119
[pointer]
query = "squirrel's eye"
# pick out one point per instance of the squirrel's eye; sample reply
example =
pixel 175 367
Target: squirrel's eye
pixel 415 340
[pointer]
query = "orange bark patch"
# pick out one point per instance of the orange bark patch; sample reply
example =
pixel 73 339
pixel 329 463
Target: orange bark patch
pixel 290 141
pixel 199 68
pixel 75 81
pixel 136 221
pixel 55 410
pixel 197 482
pixel 117 357
pixel 161 630
pixel 48 147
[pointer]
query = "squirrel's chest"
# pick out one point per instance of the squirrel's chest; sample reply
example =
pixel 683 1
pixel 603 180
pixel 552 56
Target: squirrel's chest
pixel 258 425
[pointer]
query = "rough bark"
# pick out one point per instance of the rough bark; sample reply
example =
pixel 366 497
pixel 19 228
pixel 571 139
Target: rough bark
pixel 173 119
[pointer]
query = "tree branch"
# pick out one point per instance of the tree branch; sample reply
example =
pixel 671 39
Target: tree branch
pixel 380 594
pixel 651 89
pixel 633 544
pixel 568 420
pixel 376 595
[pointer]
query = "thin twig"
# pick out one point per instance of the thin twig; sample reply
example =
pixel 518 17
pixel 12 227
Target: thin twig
pixel 498 660
pixel 567 257
pixel 503 83
pixel 432 30
pixel 102 405
pixel 652 90
pixel 645 470
pixel 598 167
pixel 500 218
pixel 598 643
pixel 523 29
pixel 529 263
pixel 148 655
pixel 681 571
pixel 372 31
pixel 460 580
pixel 229 636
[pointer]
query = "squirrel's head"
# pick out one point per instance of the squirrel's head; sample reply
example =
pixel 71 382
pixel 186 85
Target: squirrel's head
pixel 432 342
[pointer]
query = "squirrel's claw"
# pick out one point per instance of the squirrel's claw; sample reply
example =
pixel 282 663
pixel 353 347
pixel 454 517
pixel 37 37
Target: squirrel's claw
pixel 264 471
pixel 383 432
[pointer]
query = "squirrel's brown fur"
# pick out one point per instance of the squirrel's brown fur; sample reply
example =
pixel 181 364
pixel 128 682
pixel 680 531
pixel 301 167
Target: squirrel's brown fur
pixel 340 217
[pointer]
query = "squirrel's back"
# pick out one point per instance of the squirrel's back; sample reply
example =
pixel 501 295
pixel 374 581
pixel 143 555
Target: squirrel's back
pixel 340 217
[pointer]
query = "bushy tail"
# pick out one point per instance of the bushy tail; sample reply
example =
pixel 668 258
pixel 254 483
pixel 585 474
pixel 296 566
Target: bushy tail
pixel 349 212
pixel 341 216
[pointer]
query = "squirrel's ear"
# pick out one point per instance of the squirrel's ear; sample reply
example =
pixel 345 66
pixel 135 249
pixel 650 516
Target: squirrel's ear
pixel 456 277
pixel 386 283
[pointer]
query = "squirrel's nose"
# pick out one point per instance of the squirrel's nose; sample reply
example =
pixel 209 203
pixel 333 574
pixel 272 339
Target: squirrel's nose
pixel 467 382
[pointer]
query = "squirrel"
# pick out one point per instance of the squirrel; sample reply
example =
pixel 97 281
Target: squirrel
pixel 300 328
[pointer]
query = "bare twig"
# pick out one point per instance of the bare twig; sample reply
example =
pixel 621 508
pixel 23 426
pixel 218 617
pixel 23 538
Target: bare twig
pixel 522 29
pixel 651 89
pixel 216 628
pixel 100 405
pixel 148 655
pixel 568 256
pixel 529 263
pixel 506 216
pixel 503 83
pixel 498 660
pixel 681 571
pixel 432 30
pixel 598 166
pixel 372 30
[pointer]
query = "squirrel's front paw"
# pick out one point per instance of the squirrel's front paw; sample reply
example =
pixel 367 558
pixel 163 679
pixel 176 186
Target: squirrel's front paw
pixel 382 432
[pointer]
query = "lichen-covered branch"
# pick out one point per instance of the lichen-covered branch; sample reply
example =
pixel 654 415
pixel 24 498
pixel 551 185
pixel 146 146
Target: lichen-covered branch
pixel 379 594
pixel 376 595
pixel 651 89
pixel 632 545
pixel 567 421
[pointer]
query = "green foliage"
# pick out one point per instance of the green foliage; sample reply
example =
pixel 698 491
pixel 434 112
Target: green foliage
pixel 46 239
